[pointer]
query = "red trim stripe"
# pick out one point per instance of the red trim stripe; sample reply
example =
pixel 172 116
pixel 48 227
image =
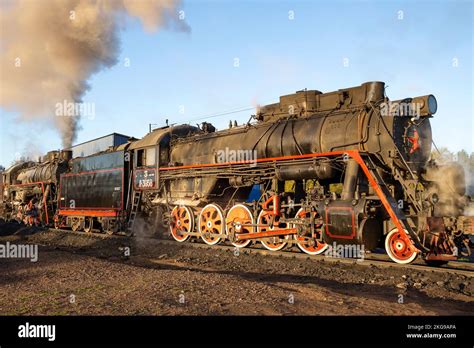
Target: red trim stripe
pixel 95 213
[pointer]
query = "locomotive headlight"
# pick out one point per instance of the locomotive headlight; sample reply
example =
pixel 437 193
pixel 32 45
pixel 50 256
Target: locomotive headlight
pixel 424 106
pixel 432 104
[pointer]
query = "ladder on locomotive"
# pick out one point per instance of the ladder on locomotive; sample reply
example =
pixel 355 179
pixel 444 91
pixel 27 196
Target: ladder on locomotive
pixel 393 203
pixel 136 198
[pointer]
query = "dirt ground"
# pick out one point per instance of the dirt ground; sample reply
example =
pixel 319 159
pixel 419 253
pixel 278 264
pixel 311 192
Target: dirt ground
pixel 85 275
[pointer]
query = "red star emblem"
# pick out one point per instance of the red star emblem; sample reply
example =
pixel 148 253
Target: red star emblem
pixel 414 141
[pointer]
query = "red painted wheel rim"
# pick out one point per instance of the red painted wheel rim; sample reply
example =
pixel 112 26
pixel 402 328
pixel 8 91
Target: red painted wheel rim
pixel 211 220
pixel 305 245
pixel 400 247
pixel 180 221
pixel 270 242
pixel 237 218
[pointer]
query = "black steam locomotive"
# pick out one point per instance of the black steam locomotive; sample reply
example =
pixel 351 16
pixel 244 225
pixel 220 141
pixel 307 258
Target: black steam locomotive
pixel 349 167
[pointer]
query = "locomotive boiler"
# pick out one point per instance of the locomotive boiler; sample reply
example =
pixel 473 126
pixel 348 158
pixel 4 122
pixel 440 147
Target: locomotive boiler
pixel 313 122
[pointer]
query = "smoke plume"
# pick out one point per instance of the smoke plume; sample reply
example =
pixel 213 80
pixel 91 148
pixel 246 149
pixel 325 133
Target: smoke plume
pixel 49 50
pixel 450 181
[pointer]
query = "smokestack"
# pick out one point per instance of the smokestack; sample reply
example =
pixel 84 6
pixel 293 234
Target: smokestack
pixel 49 50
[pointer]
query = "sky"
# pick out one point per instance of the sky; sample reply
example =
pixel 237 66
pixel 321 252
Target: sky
pixel 239 54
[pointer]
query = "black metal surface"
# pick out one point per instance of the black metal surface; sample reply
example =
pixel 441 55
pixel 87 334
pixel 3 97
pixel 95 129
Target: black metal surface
pixel 103 161
pixel 92 190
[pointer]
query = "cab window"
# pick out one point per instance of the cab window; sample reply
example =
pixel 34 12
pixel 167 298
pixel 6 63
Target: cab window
pixel 150 157
pixel 146 157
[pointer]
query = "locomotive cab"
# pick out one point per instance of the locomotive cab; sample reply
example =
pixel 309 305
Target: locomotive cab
pixel 152 152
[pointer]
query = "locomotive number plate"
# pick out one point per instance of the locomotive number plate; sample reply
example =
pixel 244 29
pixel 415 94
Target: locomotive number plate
pixel 145 179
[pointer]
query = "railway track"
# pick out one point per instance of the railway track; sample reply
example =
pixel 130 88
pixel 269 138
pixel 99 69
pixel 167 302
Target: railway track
pixel 379 260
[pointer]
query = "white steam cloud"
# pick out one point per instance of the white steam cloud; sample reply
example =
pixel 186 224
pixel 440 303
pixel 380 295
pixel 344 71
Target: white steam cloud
pixel 49 50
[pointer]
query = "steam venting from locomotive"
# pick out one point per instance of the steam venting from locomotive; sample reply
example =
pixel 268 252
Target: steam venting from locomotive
pixel 50 50
pixel 451 184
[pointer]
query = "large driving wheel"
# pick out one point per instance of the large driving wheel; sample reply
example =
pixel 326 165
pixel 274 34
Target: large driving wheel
pixel 211 221
pixel 236 220
pixel 307 244
pixel 265 224
pixel 182 220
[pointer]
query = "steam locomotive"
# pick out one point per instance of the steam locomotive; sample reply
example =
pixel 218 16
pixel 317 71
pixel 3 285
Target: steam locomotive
pixel 349 167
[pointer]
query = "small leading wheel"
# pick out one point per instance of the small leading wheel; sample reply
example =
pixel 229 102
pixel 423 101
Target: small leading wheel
pixel 182 220
pixel 237 217
pixel 399 248
pixel 271 243
pixel 88 224
pixel 311 247
pixel 211 221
